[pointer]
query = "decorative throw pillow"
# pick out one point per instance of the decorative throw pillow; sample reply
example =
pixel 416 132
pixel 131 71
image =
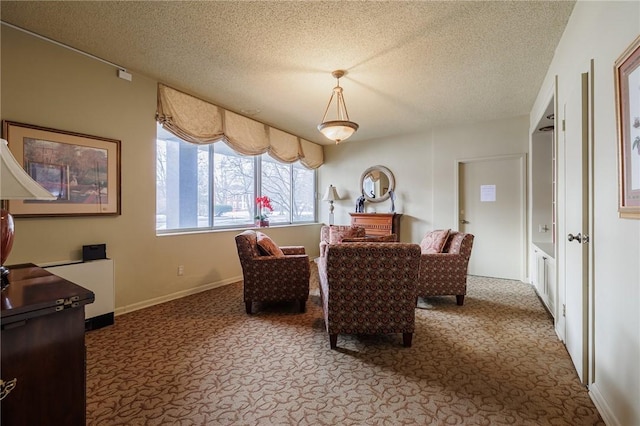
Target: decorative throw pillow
pixel 392 238
pixel 339 233
pixel 434 241
pixel 268 246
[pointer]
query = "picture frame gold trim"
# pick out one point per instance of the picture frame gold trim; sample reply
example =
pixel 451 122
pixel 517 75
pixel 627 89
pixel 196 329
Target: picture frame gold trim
pixel 627 87
pixel 83 171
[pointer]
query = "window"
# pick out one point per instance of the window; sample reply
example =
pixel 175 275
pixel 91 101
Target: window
pixel 304 184
pixel 234 186
pixel 276 184
pixel 212 186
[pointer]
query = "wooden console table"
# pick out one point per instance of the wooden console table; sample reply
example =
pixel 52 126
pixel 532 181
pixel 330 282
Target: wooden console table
pixel 378 224
pixel 43 350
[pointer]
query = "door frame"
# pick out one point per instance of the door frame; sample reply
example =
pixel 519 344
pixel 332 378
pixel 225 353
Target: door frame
pixel 552 97
pixel 522 157
pixel 588 227
pixel 591 284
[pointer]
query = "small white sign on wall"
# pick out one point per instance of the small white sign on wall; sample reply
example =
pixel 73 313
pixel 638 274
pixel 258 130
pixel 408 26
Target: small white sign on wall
pixel 487 193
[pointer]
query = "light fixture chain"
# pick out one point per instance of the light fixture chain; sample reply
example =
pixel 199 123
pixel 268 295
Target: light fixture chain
pixel 327 108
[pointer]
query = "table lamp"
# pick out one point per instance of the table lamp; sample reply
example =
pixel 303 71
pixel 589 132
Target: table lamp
pixel 15 184
pixel 330 196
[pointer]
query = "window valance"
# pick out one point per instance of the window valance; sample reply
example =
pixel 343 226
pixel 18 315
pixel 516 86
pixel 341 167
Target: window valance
pixel 200 122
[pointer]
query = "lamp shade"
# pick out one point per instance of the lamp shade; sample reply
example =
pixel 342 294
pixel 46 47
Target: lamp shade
pixel 331 194
pixel 15 183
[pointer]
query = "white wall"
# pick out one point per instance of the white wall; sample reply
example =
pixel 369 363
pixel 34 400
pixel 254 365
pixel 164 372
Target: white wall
pixel 602 31
pixel 424 166
pixel 408 158
pixel 49 86
pixel 468 141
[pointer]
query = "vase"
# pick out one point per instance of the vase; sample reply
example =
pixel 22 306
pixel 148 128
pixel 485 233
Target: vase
pixel 262 223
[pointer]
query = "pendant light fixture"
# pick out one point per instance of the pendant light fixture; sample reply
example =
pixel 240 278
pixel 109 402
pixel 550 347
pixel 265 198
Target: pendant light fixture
pixel 341 128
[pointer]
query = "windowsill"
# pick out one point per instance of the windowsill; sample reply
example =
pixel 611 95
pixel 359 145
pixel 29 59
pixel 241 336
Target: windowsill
pixel 234 230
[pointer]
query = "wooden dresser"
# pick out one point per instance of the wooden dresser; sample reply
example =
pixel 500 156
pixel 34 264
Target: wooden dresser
pixel 377 223
pixel 43 352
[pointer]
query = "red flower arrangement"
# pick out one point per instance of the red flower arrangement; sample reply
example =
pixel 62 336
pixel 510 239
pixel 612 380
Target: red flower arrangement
pixel 263 203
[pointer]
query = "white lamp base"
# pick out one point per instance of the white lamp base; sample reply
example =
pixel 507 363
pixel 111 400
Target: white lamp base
pixel 330 212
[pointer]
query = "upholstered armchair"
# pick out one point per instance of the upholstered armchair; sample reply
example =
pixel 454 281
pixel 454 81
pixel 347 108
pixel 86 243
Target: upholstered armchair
pixel 369 288
pixel 272 273
pixel 334 234
pixel 443 269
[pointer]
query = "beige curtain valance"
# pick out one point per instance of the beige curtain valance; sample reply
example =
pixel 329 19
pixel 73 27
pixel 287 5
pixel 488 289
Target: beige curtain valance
pixel 284 146
pixel 312 154
pixel 189 118
pixel 200 122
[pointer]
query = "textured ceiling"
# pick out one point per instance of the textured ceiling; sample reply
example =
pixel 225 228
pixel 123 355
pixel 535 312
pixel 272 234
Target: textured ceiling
pixel 411 65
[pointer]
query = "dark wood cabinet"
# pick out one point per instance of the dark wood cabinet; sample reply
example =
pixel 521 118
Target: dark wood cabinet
pixel 377 224
pixel 43 349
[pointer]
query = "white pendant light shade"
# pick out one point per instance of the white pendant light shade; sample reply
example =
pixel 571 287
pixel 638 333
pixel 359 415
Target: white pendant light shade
pixel 341 128
pixel 338 130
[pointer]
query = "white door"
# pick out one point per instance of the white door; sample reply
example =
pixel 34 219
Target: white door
pixel 576 224
pixel 491 206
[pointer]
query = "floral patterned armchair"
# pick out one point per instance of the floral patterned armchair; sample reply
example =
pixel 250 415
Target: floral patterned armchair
pixel 282 275
pixel 334 234
pixel 369 288
pixel 443 271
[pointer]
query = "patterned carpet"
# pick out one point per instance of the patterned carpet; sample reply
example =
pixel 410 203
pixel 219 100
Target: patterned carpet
pixel 201 360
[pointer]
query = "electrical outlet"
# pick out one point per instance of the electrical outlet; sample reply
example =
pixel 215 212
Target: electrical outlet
pixel 180 270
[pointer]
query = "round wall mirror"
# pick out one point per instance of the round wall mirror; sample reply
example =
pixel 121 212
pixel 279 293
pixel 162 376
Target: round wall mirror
pixel 376 182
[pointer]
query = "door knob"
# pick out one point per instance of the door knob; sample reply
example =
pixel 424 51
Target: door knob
pixel 572 237
pixel 464 222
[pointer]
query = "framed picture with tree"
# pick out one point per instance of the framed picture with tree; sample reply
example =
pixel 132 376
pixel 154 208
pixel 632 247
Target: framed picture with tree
pixel 81 171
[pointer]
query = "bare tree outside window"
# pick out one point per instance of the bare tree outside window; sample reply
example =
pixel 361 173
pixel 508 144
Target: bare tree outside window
pixel 276 184
pixel 304 205
pixel 212 186
pixel 233 187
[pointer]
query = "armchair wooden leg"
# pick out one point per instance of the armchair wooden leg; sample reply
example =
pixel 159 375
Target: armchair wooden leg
pixel 406 339
pixel 303 305
pixel 460 299
pixel 247 306
pixel 333 340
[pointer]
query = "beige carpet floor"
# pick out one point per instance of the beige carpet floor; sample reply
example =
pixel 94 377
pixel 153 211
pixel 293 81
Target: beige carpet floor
pixel 201 360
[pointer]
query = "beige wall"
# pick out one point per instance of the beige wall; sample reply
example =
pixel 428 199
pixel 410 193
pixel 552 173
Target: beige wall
pixel 424 166
pixel 406 157
pixel 50 86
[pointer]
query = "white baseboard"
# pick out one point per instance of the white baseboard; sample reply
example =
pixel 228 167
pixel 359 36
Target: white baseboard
pixel 174 296
pixel 602 406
